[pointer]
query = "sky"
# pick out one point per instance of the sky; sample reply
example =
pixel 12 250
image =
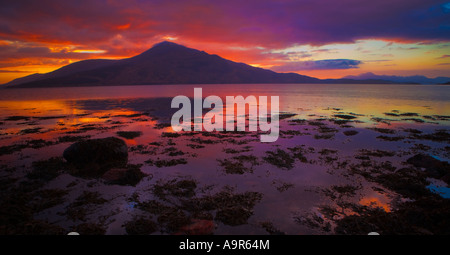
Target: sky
pixel 319 38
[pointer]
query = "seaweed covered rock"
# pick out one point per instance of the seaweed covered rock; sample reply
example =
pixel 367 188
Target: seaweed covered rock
pixel 130 175
pixel 95 156
pixel 433 167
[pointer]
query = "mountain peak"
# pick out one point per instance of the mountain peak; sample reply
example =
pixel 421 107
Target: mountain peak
pixel 166 44
pixel 164 63
pixel 163 47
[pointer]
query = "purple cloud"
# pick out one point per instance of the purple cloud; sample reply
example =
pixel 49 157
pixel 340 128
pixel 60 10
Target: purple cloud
pixel 272 24
pixel 326 64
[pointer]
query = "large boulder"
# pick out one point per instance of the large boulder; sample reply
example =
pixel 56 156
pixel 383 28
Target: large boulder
pixel 96 156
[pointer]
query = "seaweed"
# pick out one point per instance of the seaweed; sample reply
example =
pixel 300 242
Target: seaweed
pixel 129 176
pixel 412 131
pixel 340 122
pixel 135 115
pixel 297 121
pixel 47 198
pixel 286 115
pixel 391 114
pixel 376 153
pixel 325 129
pixel 72 139
pixel 90 229
pixel 324 136
pixel 383 130
pixel 382 120
pixel 313 221
pixel 9 149
pixel 50 117
pixel 189 213
pixel 166 163
pixel 325 152
pixel 162 125
pixel 234 216
pixel 282 186
pixel 204 141
pixel 409 114
pixel 270 228
pixel 298 152
pixel 38 143
pixel 47 170
pixel 153 206
pixel 17 118
pixel 195 146
pixel 280 159
pixel 29 131
pixel 339 191
pixel 170 135
pixel 390 138
pixel 175 187
pixel 291 132
pixel 424 216
pixel 350 132
pixel 79 209
pixel 173 152
pixel 415 120
pixel 140 226
pixel 437 136
pixel 129 134
pixel 237 165
pixel 344 116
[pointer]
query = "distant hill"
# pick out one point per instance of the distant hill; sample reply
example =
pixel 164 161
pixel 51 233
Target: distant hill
pixel 164 63
pixel 417 79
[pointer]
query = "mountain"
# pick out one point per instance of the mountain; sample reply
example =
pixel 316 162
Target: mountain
pixel 26 79
pixel 418 79
pixel 171 63
pixel 164 63
pixel 80 66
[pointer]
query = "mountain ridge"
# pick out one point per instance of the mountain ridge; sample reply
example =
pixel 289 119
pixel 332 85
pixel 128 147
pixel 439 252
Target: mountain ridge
pixel 167 63
pixel 164 63
pixel 415 79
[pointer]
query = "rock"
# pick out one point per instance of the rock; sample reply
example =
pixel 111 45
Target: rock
pixel 114 174
pixel 433 167
pixel 95 156
pixel 131 175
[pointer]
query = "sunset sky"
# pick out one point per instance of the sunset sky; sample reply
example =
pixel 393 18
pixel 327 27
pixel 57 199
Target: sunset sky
pixel 319 38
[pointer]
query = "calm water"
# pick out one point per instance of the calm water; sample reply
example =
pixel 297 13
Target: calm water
pixel 290 196
pixel 363 96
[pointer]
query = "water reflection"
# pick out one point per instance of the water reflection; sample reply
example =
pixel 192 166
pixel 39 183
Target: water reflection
pixel 314 164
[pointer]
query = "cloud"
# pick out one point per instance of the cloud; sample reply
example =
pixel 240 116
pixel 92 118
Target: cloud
pixel 34 62
pixel 443 56
pixel 377 60
pixel 15 71
pixel 326 64
pixel 19 50
pixel 123 28
pixel 274 24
